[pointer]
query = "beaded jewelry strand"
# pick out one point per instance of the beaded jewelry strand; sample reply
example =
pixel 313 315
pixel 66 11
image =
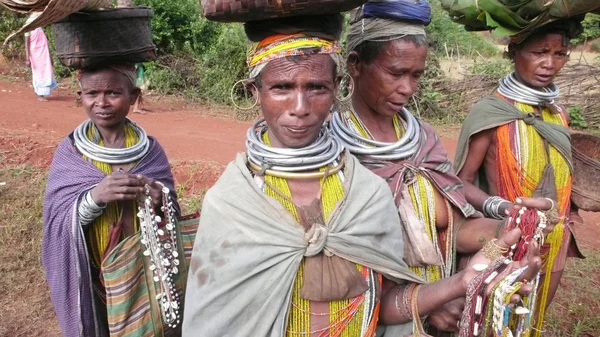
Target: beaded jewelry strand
pixel 161 248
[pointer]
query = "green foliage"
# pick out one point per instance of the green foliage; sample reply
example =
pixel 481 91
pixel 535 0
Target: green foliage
pixel 178 26
pixel 207 75
pixel 10 22
pixel 495 68
pixel 197 57
pixel 591 29
pixel 577 120
pixel 224 63
pixel 446 36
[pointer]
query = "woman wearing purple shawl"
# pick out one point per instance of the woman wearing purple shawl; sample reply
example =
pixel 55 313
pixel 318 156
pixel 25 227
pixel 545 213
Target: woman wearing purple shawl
pixel 97 174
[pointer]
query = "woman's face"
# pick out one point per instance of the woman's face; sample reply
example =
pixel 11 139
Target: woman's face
pixel 385 85
pixel 295 98
pixel 538 61
pixel 106 96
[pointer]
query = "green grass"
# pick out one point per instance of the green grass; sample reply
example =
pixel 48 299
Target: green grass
pixel 23 292
pixel 574 311
pixel 25 298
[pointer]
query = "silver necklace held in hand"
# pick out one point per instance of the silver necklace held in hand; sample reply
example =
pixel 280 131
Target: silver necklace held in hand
pixel 161 248
pixel 360 146
pixel 107 155
pixel 322 152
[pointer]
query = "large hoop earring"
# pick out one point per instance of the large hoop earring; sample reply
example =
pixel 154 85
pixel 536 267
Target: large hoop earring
pixel 346 86
pixel 245 91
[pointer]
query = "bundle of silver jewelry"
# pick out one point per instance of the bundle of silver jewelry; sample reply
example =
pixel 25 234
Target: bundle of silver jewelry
pixel 491 207
pixel 161 248
pixel 107 155
pixel 511 87
pixel 322 152
pixel 404 148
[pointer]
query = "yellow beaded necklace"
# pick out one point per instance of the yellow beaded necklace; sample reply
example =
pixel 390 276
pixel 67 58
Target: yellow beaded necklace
pixel 423 200
pixel 99 232
pixel 524 171
pixel 345 316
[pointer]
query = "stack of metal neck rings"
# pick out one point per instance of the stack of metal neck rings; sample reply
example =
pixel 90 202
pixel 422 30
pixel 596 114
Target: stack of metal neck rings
pixel 293 162
pixel 360 146
pixel 107 155
pixel 510 87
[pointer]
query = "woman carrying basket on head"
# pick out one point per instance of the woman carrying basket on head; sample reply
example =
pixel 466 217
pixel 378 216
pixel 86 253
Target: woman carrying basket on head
pixel 98 174
pixel 296 237
pixel 517 143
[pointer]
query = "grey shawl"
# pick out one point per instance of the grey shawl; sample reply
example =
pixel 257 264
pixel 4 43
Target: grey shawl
pixel 248 250
pixel 491 112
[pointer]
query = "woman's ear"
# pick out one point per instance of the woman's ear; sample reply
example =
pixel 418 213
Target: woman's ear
pixel 253 86
pixel 353 64
pixel 135 93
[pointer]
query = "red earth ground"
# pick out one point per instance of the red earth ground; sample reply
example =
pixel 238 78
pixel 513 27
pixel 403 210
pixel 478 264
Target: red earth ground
pixel 198 141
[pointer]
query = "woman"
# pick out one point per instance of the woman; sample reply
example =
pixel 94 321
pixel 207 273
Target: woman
pixel 296 237
pixel 96 178
pixel 387 52
pixel 517 143
pixel 38 58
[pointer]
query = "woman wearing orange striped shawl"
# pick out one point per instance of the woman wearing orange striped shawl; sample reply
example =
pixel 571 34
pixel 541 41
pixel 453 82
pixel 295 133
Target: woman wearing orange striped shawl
pixel 517 143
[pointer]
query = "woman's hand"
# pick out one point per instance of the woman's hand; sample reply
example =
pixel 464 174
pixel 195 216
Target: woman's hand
pixel 532 260
pixel 445 318
pixel 118 187
pixel 541 204
pixel 155 190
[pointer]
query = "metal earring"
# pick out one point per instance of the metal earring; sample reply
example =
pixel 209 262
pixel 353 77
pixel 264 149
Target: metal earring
pixel 347 87
pixel 245 91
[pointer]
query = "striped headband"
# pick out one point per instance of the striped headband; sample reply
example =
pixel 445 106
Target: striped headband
pixel 282 45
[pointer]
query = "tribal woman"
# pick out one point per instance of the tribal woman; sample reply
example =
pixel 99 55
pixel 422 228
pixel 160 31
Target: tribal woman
pixel 517 143
pixel 97 174
pixel 387 52
pixel 297 238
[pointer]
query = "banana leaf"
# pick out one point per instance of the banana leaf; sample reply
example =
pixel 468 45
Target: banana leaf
pixel 514 17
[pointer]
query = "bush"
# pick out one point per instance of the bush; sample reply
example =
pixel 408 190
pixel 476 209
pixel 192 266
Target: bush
pixel 178 26
pixel 495 68
pixel 576 119
pixel 444 34
pixel 10 22
pixel 591 29
pixel 198 58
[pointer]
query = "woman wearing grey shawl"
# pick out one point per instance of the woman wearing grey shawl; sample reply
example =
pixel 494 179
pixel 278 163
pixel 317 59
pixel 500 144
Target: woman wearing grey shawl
pixel 97 173
pixel 296 237
pixel 387 53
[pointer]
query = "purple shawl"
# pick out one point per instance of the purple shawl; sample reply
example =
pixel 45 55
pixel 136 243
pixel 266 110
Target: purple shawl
pixel 64 252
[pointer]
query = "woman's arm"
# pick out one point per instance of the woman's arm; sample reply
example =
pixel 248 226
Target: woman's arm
pixel 433 295
pixel 478 148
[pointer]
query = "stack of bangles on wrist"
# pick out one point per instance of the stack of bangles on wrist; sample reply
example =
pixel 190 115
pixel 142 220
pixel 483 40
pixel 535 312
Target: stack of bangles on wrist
pixel 407 305
pixel 490 310
pixel 491 207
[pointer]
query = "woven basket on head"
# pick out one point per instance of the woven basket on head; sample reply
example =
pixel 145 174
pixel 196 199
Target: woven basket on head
pixel 94 38
pixel 253 10
pixel 586 178
pixel 52 10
